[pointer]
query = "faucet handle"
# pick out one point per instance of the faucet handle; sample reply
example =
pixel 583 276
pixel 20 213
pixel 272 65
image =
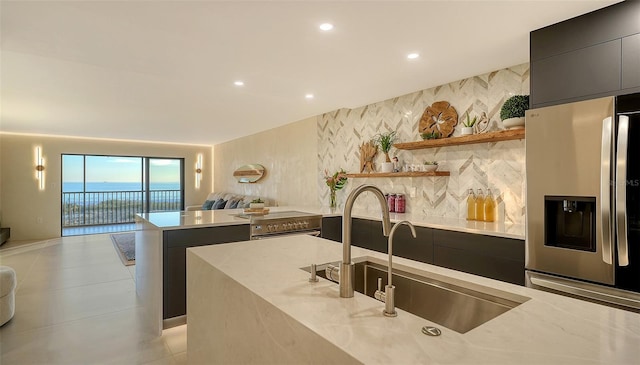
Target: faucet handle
pixel 313 278
pixel 379 294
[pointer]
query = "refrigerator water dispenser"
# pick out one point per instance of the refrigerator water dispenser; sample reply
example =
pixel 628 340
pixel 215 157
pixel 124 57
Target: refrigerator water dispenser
pixel 570 222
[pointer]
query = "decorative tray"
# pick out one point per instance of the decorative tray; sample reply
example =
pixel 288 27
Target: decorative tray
pixel 256 211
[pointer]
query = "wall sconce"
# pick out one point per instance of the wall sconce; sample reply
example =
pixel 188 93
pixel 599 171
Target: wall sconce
pixel 198 170
pixel 39 168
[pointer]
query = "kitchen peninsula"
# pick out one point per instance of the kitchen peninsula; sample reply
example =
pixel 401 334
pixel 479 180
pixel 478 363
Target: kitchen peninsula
pixel 162 239
pixel 250 302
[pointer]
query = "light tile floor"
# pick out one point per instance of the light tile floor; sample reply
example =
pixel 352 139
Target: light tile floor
pixel 76 304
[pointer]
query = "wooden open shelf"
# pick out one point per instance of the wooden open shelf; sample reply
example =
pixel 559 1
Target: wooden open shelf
pixel 400 174
pixel 505 135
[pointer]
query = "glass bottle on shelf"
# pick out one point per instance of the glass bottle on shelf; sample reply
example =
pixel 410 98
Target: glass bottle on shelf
pixel 489 207
pixel 391 201
pixel 479 205
pixel 400 203
pixel 471 206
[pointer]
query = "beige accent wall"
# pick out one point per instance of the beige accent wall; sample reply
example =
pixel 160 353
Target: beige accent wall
pixel 35 214
pixel 289 154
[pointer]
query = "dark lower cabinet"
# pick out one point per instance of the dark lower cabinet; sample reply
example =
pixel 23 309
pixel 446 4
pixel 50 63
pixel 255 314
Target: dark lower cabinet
pixel 492 257
pixel 332 228
pixel 175 244
pixel 367 234
pixel 418 249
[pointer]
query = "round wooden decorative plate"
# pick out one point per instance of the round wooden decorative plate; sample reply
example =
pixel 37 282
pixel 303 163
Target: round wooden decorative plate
pixel 441 117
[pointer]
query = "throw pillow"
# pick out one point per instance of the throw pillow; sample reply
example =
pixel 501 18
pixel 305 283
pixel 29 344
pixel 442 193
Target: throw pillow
pixel 219 204
pixel 208 204
pixel 232 203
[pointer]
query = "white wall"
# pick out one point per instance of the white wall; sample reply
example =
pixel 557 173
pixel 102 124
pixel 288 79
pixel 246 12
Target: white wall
pixel 22 201
pixel 289 154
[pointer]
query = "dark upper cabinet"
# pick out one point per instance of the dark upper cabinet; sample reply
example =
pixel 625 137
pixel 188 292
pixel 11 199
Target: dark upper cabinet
pixel 631 61
pixel 590 56
pixel 600 26
pixel 588 71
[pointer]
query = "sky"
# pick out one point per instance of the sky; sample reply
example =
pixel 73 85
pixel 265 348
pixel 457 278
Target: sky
pixel 118 169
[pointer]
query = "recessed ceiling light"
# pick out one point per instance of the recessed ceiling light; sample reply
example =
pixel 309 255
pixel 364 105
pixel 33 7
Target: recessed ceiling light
pixel 413 56
pixel 326 26
pixel 238 83
pixel 309 96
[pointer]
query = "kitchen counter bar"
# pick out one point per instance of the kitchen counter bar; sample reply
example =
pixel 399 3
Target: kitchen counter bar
pixel 160 263
pixel 210 218
pixel 249 302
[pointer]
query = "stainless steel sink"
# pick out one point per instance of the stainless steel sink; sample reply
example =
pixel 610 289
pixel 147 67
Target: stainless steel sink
pixel 455 304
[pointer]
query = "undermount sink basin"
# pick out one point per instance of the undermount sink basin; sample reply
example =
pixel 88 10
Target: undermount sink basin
pixel 458 305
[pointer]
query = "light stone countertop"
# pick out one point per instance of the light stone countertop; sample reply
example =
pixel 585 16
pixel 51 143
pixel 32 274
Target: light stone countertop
pixel 223 217
pixel 547 329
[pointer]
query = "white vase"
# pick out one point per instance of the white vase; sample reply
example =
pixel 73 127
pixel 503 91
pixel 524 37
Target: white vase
pixel 386 167
pixel 467 131
pixel 513 123
pixel 256 205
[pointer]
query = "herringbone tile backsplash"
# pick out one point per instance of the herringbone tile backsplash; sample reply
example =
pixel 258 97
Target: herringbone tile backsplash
pixel 499 166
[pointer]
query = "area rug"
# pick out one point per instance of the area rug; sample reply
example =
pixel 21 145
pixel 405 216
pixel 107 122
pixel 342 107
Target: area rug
pixel 125 244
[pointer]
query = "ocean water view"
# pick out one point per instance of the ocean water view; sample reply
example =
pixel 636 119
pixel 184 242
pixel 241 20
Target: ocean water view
pixel 77 187
pixel 115 202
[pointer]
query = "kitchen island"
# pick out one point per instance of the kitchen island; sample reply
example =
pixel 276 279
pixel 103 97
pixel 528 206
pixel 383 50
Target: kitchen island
pixel 161 242
pixel 249 302
pixel 163 237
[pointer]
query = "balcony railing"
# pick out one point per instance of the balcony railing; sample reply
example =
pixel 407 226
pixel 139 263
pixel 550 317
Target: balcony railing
pixel 111 207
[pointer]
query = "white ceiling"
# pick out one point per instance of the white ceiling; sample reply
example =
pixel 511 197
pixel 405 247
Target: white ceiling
pixel 164 70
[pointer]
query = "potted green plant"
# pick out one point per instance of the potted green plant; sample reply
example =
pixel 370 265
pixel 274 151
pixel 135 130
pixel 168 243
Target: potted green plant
pixel 430 166
pixel 385 141
pixel 512 111
pixel 430 135
pixel 468 125
pixel 256 204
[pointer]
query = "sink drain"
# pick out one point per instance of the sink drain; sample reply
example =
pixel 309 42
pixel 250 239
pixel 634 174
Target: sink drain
pixel 431 331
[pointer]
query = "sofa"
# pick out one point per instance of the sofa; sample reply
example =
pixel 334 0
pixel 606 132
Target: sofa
pixel 228 201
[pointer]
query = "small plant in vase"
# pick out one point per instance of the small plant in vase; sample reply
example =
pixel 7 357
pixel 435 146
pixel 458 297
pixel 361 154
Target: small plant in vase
pixel 385 141
pixel 335 182
pixel 256 204
pixel 513 110
pixel 430 166
pixel 468 125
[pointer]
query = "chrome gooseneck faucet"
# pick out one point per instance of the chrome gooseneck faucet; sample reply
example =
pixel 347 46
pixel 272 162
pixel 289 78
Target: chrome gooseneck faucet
pixel 347 267
pixel 388 297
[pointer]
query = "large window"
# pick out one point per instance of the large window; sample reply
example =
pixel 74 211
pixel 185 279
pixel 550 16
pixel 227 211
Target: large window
pixel 99 190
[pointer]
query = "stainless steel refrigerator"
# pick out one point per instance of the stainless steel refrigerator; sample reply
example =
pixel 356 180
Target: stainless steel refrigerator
pixel 583 200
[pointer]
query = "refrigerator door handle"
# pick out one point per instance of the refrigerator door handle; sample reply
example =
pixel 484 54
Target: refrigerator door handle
pixel 621 190
pixel 605 189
